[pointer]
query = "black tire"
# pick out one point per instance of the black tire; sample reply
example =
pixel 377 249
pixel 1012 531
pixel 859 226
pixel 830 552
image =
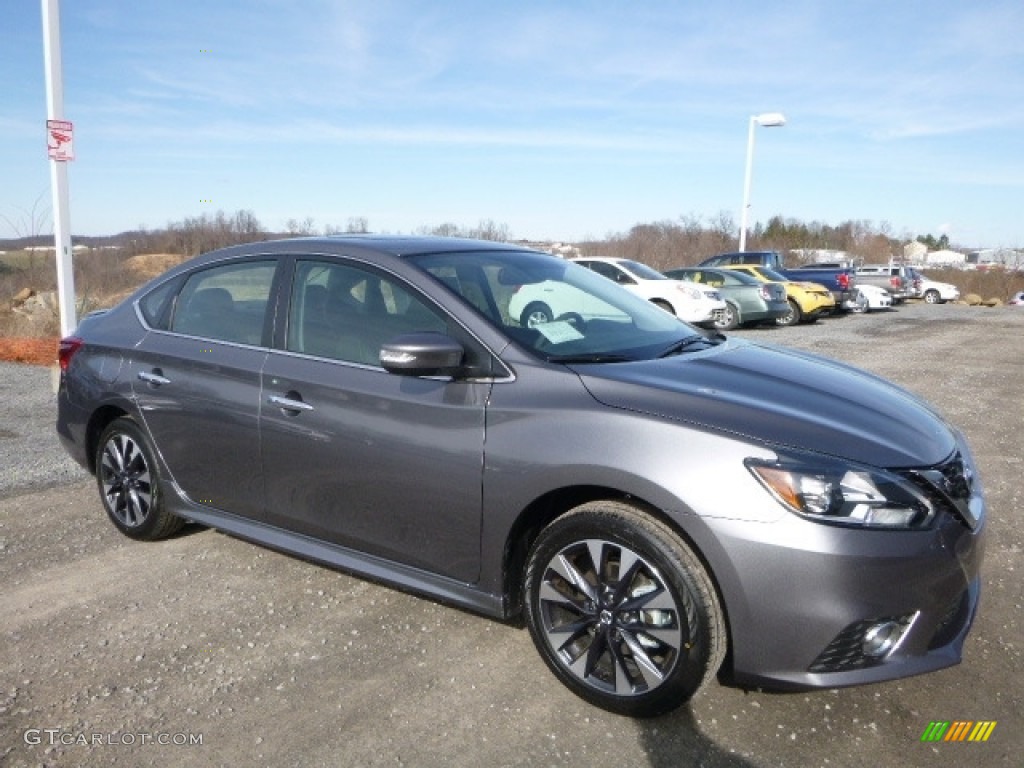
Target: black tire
pixel 795 315
pixel 639 647
pixel 129 483
pixel 661 303
pixel 728 318
pixel 932 296
pixel 536 313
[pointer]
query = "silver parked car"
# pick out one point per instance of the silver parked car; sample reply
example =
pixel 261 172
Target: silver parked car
pixel 652 500
pixel 748 300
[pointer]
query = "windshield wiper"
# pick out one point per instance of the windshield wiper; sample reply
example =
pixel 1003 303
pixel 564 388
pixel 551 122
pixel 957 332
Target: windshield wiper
pixel 676 347
pixel 595 357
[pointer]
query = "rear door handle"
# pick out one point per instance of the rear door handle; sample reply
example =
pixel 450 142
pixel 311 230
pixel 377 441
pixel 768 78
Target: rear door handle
pixel 153 378
pixel 289 404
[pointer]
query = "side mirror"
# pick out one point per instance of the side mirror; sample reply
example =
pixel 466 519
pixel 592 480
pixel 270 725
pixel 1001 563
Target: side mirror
pixel 422 354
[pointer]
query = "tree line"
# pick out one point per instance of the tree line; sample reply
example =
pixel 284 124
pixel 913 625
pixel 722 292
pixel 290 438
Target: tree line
pixel 662 244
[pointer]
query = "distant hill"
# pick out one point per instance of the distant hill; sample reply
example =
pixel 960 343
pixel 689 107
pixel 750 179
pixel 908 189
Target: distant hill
pixel 20 243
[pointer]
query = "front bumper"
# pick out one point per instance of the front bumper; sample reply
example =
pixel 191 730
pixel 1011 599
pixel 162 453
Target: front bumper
pixel 806 596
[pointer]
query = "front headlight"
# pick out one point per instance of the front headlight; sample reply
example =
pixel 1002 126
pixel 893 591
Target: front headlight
pixel 846 495
pixel 689 291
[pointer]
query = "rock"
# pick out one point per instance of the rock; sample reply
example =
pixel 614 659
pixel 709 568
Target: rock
pixel 992 303
pixel 23 295
pixel 973 299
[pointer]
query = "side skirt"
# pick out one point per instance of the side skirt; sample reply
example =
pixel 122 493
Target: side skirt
pixel 404 577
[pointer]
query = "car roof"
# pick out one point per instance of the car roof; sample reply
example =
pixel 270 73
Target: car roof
pixel 394 246
pixel 735 274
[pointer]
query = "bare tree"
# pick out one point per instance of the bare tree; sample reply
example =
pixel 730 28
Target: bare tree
pixel 303 228
pixel 357 225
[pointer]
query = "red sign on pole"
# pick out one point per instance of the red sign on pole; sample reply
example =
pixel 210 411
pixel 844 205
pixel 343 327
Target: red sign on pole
pixel 60 140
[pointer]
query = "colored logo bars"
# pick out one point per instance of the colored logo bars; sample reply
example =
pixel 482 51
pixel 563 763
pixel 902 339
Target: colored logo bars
pixel 958 730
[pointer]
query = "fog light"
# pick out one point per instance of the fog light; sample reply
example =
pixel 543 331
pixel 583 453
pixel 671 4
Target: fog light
pixel 882 638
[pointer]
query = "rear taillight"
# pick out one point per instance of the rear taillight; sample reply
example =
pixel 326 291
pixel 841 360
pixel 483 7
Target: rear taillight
pixel 843 280
pixel 894 282
pixel 66 350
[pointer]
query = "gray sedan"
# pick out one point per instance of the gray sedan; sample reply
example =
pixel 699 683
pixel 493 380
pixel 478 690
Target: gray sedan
pixel 657 504
pixel 748 300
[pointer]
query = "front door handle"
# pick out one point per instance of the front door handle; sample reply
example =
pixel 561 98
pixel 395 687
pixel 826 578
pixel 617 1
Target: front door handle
pixel 154 378
pixel 289 404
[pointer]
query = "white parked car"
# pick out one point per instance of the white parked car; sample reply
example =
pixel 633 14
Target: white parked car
pixel 871 297
pixel 1017 300
pixel 535 304
pixel 935 292
pixel 689 301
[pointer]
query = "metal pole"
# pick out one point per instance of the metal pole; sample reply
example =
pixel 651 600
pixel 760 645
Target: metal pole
pixel 58 169
pixel 745 212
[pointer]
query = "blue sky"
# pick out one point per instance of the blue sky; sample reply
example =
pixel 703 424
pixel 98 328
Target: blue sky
pixel 562 119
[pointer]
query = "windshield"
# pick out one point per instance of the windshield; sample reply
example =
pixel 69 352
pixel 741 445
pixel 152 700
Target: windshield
pixel 771 274
pixel 642 270
pixel 555 309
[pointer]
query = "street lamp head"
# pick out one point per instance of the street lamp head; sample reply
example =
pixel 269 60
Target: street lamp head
pixel 770 119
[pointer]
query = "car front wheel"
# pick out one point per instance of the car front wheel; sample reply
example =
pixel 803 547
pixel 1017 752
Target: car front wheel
pixel 794 316
pixel 622 610
pixel 128 481
pixel 932 296
pixel 727 319
pixel 536 313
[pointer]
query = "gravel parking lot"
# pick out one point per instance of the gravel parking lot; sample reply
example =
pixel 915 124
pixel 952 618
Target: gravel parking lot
pixel 119 653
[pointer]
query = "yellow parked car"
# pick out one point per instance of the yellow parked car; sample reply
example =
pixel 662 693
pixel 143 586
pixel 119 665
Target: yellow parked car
pixel 807 301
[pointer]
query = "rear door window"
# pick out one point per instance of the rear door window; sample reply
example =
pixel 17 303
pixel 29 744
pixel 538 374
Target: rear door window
pixel 227 303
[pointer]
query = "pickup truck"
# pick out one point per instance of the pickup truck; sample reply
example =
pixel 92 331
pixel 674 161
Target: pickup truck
pixel 839 280
pixel 894 278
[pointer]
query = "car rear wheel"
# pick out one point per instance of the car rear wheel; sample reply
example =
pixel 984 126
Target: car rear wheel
pixel 622 610
pixel 128 480
pixel 728 318
pixel 794 316
pixel 536 313
pixel 932 296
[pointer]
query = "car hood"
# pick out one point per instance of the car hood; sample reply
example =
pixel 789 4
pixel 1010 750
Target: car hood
pixel 780 397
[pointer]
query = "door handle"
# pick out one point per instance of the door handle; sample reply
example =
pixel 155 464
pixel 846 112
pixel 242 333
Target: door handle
pixel 153 378
pixel 289 404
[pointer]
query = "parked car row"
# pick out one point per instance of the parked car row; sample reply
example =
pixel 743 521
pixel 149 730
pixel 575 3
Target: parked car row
pixel 736 289
pixel 539 303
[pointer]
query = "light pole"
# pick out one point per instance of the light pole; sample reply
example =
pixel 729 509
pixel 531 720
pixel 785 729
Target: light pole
pixel 766 120
pixel 58 167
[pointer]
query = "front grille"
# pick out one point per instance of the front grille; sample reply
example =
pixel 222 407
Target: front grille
pixel 846 652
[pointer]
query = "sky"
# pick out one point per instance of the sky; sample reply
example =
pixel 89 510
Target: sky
pixel 558 119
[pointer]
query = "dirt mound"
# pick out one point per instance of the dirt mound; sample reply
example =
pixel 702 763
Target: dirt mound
pixel 149 265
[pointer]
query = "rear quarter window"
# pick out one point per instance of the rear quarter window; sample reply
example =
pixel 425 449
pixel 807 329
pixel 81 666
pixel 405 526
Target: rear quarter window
pixel 155 306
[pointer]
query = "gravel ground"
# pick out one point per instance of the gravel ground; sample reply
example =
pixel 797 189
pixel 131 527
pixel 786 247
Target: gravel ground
pixel 109 644
pixel 30 452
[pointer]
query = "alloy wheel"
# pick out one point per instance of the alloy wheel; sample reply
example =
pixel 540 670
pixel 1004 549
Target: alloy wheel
pixel 125 480
pixel 610 617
